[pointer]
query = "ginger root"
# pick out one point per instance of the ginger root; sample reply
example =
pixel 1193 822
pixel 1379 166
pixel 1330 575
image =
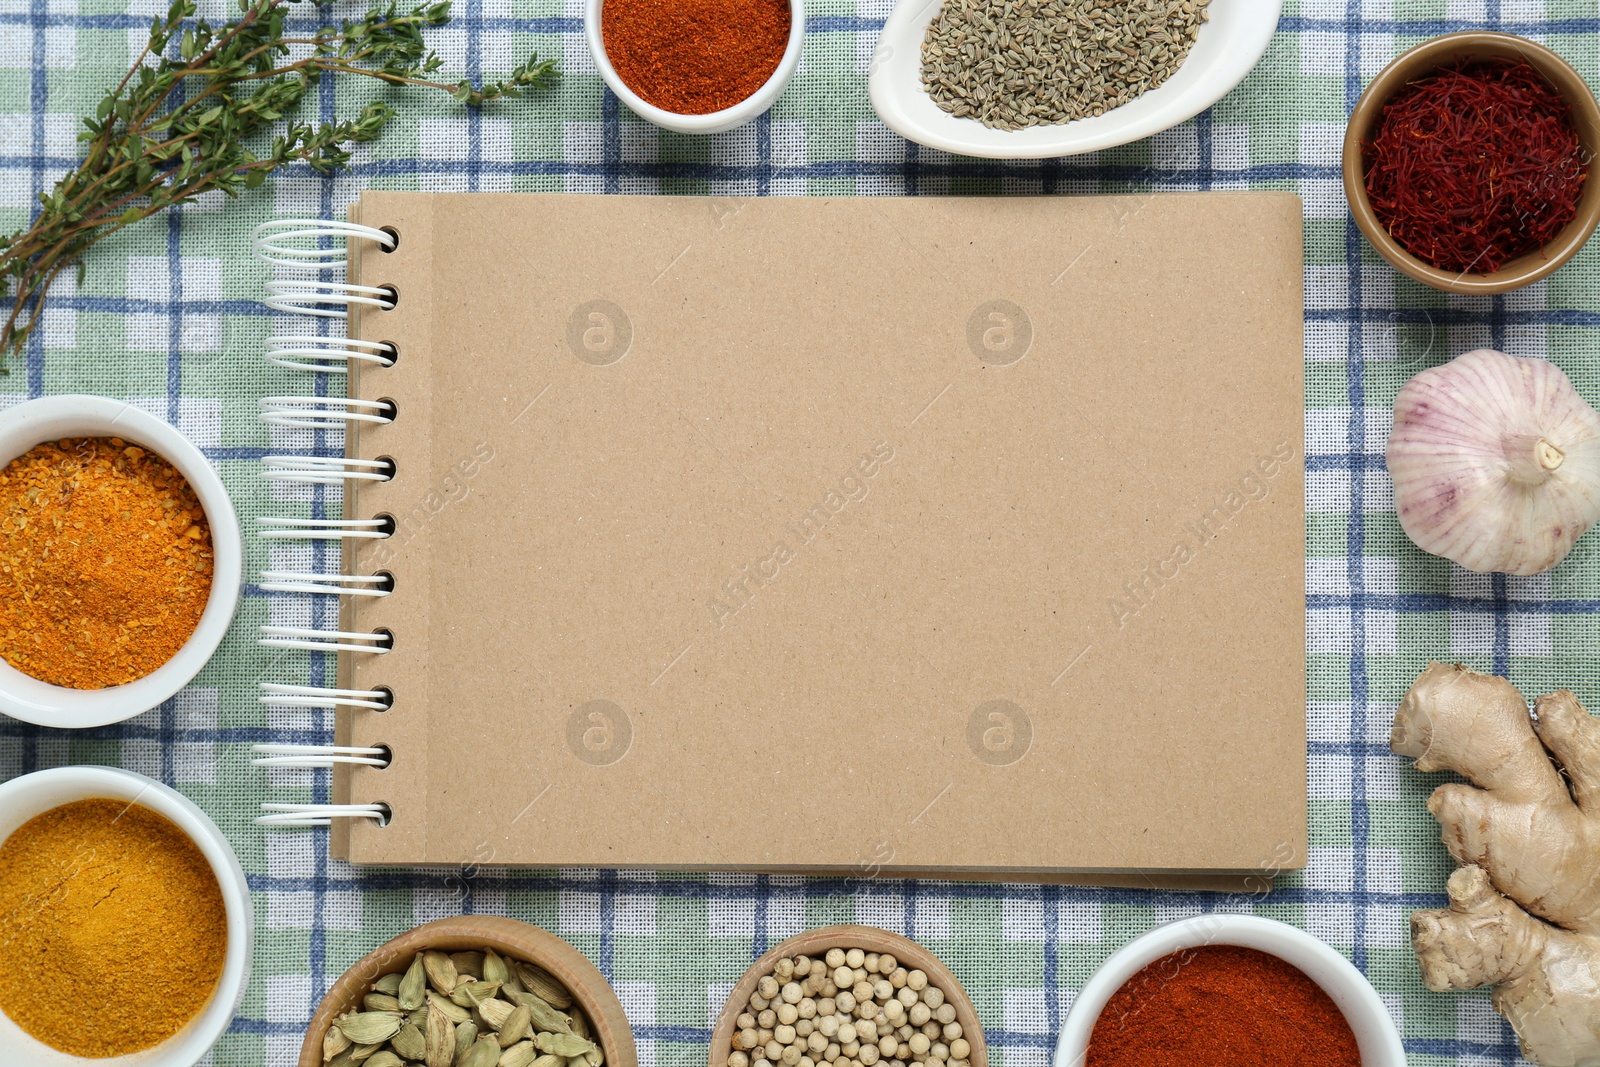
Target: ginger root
pixel 1524 912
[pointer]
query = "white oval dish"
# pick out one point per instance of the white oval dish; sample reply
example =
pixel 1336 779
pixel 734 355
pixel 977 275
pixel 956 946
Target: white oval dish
pixel 728 118
pixel 34 794
pixel 54 417
pixel 1225 51
pixel 1376 1036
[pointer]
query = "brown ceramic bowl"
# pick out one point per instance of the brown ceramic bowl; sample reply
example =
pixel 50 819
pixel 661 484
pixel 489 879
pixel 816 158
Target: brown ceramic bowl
pixel 1422 60
pixel 468 933
pixel 816 942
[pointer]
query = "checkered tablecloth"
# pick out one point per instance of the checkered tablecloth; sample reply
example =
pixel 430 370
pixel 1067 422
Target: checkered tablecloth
pixel 167 316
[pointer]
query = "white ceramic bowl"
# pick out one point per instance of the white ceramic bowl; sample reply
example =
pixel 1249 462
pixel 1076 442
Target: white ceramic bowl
pixel 1226 50
pixel 54 417
pixel 34 794
pixel 728 118
pixel 1375 1032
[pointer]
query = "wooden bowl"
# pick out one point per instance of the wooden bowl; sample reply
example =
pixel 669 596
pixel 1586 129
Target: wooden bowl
pixel 467 933
pixel 1424 59
pixel 815 943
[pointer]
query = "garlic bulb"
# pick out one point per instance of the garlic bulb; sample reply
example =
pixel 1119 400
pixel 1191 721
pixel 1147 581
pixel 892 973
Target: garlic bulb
pixel 1496 462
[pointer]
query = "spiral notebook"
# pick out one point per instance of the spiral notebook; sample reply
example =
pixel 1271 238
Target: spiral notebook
pixel 942 536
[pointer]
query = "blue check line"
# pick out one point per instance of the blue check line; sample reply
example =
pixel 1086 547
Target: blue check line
pixel 1419 603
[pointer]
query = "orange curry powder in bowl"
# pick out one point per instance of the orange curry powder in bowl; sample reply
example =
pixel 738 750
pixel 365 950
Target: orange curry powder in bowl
pixel 105 562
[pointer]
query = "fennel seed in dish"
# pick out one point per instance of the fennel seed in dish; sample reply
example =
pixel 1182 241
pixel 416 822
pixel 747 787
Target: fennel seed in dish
pixel 1011 64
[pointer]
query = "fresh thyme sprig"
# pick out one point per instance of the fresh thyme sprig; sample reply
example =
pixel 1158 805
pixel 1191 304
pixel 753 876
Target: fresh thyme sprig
pixel 177 127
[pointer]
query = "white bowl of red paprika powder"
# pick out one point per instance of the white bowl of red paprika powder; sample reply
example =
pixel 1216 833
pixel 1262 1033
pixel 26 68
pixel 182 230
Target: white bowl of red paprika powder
pixel 696 66
pixel 176 624
pixel 1235 989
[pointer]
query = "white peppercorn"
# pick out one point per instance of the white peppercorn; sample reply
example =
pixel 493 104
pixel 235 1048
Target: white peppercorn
pixel 945 1013
pixel 835 958
pixel 894 1011
pixel 960 1048
pixel 807 1008
pixel 746 1038
pixel 870 961
pixel 759 1002
pixel 952 1031
pixel 908 996
pixel 828 1026
pixel 887 1044
pixel 784 1035
pixel 767 1019
pixel 867 1010
pixel 933 996
pixel 816 1042
pixel 738 1058
pixel 863 990
pixel 917 980
pixel 882 990
pixel 919 1044
pixel 939 1051
pixel 788 1013
pixel 791 1055
pixel 807 1061
pixel 869 1054
pixel 763 1036
pixel 843 977
pixel 866 1030
pixel 768 986
pixel 933 1030
pixel 854 956
pixel 847 1035
pixel 897 977
pixel 960 1063
pixel 903 1052
pixel 804 1027
pixel 746 1021
pixel 831 1053
pixel 773 1050
pixel 829 989
pixel 761 1061
pixel 826 1006
pixel 904 1033
pixel 783 970
pixel 887 964
pixel 845 1002
pixel 850 1049
pixel 919 1013
pixel 792 993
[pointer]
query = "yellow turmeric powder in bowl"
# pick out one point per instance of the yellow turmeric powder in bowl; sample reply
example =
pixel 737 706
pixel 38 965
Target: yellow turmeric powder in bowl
pixel 105 562
pixel 113 930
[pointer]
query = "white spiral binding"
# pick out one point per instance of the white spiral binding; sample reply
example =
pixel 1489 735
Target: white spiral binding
pixel 300 296
pixel 318 756
pixel 325 470
pixel 327 584
pixel 311 639
pixel 317 696
pixel 326 529
pixel 295 244
pixel 278 242
pixel 327 355
pixel 320 814
pixel 323 412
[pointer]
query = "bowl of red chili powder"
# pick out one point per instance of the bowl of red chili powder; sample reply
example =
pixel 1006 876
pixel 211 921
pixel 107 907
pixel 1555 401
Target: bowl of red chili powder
pixel 696 66
pixel 1467 162
pixel 1228 991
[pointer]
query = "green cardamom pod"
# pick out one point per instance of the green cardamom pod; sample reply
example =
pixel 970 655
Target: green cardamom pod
pixel 380 1002
pixel 471 994
pixel 522 1054
pixel 516 1026
pixel 412 986
pixel 441 972
pixel 541 983
pixel 562 1044
pixel 389 983
pixel 494 968
pixel 369 1027
pixel 596 1056
pixel 466 1034
pixel 452 1011
pixel 486 1053
pixel 548 1060
pixel 333 1043
pixel 468 963
pixel 496 1012
pixel 580 1025
pixel 363 1053
pixel 409 1043
pixel 384 1058
pixel 441 1040
pixel 545 1017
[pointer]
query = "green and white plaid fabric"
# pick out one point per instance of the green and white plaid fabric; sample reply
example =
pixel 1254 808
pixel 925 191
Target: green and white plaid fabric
pixel 167 317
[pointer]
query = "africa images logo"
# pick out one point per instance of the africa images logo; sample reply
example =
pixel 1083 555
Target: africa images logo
pixel 735 593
